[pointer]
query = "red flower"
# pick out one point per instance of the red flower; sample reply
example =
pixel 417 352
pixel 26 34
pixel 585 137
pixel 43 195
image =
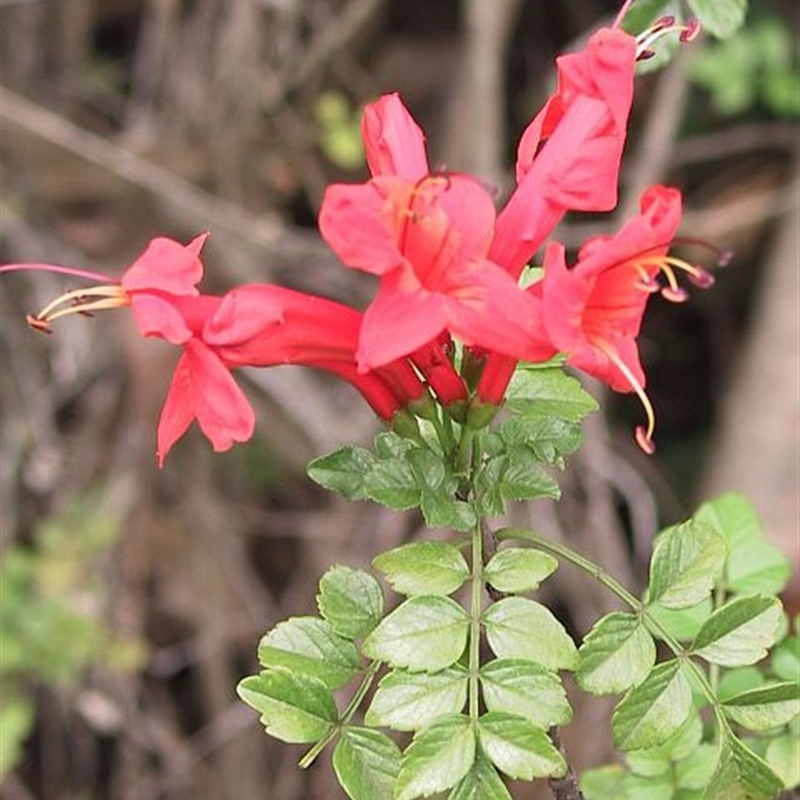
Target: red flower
pixel 569 156
pixel 258 325
pixel 427 237
pixel 593 311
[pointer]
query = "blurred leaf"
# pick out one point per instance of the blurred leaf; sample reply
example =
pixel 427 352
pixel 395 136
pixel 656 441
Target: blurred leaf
pixel 294 708
pixel 408 701
pixel 16 722
pixel 366 763
pixel 721 18
pixel 754 565
pixel 740 632
pixel 437 759
pixel 604 783
pixel 424 567
pixel 786 659
pixel 783 757
pixel 426 633
pixel 520 628
pixel 351 600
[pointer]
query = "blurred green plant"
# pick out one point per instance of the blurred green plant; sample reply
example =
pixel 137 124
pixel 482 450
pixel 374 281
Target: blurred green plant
pixel 51 626
pixel 339 130
pixel 756 68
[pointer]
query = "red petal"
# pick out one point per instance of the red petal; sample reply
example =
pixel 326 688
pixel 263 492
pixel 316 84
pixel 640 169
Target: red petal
pixel 352 222
pixel 395 144
pixel 155 316
pixel 167 266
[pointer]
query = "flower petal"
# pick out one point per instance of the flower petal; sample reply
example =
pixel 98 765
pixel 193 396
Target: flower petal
pixel 491 311
pixel 203 389
pixel 167 266
pixel 394 143
pixel 156 316
pixel 352 221
pixel 402 318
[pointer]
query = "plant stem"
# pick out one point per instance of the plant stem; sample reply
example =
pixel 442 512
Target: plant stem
pixel 475 622
pixel 614 586
pixel 372 670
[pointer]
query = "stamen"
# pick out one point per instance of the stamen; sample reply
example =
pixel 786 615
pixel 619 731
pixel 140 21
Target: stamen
pixel 81 308
pixel 667 266
pixel 687 32
pixel 644 435
pixel 724 255
pixel 76 298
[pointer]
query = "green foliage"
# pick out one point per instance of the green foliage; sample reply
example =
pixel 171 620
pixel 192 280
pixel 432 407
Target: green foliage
pixel 339 130
pixel 50 624
pixel 469 665
pixel 756 67
pixel 669 750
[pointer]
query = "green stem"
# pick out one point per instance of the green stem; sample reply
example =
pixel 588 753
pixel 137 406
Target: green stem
pixel 614 586
pixel 372 670
pixel 475 623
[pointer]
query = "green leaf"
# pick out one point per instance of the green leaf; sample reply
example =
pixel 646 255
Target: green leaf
pixel 682 623
pixel 721 18
pixel 519 748
pixel 343 471
pixel 616 654
pixel 519 569
pixel 366 763
pixel 548 393
pixel 524 479
pixel 696 769
pixel 650 787
pixel 309 645
pixel 520 628
pixel 426 633
pixel 392 483
pixel 442 510
pixel 652 711
pixel 786 659
pixel 739 679
pixel 754 566
pixel 17 715
pixel 657 760
pixel 742 775
pixel 437 759
pixel 426 567
pixel 351 600
pixel 740 632
pixel 766 707
pixel 783 757
pixel 408 701
pixel 686 561
pixel 481 783
pixel 526 688
pixel 547 438
pixel 294 708
pixel 604 783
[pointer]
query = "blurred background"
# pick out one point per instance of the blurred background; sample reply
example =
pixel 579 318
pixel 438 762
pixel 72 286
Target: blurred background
pixel 132 599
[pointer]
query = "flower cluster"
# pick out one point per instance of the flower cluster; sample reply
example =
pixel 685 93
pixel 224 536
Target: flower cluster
pixel 449 268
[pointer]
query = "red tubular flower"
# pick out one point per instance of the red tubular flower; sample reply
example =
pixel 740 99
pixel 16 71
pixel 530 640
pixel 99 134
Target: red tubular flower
pixel 427 237
pixel 258 325
pixel 593 311
pixel 569 156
